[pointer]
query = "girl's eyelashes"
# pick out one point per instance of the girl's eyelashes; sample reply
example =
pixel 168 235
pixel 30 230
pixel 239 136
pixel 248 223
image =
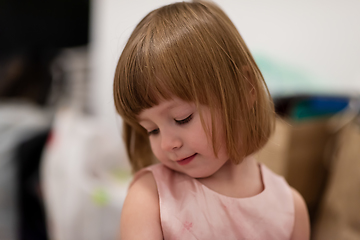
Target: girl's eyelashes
pixel 185 120
pixel 153 132
pixel 180 122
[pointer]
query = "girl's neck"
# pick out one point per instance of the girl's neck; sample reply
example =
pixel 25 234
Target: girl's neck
pixel 239 181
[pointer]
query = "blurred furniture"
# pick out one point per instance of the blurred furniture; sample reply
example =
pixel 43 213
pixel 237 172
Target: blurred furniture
pixel 314 146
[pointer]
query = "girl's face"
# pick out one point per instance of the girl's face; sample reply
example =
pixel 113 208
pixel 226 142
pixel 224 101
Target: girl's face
pixel 178 139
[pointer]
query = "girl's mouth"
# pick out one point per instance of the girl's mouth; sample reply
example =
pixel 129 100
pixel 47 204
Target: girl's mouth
pixel 186 160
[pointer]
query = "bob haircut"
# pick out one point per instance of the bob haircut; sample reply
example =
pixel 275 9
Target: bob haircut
pixel 192 51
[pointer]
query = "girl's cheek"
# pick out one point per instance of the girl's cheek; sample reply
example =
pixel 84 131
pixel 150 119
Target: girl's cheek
pixel 152 145
pixel 154 148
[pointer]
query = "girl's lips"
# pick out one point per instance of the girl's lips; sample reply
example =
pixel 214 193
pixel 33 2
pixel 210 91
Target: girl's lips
pixel 186 160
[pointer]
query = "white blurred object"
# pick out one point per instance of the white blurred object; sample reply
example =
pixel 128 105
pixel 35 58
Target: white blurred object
pixel 83 180
pixel 70 80
pixel 19 120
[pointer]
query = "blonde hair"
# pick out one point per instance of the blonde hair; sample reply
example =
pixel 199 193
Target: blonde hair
pixel 193 51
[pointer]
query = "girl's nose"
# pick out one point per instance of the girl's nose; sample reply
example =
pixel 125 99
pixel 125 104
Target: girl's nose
pixel 171 142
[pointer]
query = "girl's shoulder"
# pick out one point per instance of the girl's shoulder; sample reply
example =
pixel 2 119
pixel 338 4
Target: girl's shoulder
pixel 140 217
pixel 301 225
pixel 301 229
pixel 163 177
pixel 155 171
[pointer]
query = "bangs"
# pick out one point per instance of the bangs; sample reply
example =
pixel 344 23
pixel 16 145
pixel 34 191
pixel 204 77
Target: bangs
pixel 171 55
pixel 150 75
pixel 149 80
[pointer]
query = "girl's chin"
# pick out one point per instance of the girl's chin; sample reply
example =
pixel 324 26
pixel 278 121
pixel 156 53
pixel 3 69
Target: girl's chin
pixel 198 173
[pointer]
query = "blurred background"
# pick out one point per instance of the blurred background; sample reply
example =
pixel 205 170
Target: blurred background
pixel 63 169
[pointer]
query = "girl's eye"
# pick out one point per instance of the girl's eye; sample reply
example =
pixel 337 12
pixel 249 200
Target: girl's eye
pixel 185 120
pixel 153 132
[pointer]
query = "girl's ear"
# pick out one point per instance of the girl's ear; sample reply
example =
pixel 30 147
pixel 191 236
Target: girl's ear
pixel 250 79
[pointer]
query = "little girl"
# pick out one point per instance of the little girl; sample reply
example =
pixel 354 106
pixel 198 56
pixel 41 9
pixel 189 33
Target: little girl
pixel 196 108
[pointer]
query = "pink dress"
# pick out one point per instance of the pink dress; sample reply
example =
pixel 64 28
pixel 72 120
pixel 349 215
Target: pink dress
pixel 189 210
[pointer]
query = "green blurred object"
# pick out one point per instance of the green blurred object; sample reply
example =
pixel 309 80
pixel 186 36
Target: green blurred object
pixel 100 197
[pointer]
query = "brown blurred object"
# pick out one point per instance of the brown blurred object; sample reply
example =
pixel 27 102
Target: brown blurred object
pixel 275 153
pixel 339 215
pixel 307 172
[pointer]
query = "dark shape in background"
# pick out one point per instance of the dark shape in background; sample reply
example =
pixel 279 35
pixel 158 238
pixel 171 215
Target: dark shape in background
pixel 43 24
pixel 32 223
pixel 32 33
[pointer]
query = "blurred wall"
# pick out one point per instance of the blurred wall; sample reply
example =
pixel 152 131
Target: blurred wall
pixel 318 38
